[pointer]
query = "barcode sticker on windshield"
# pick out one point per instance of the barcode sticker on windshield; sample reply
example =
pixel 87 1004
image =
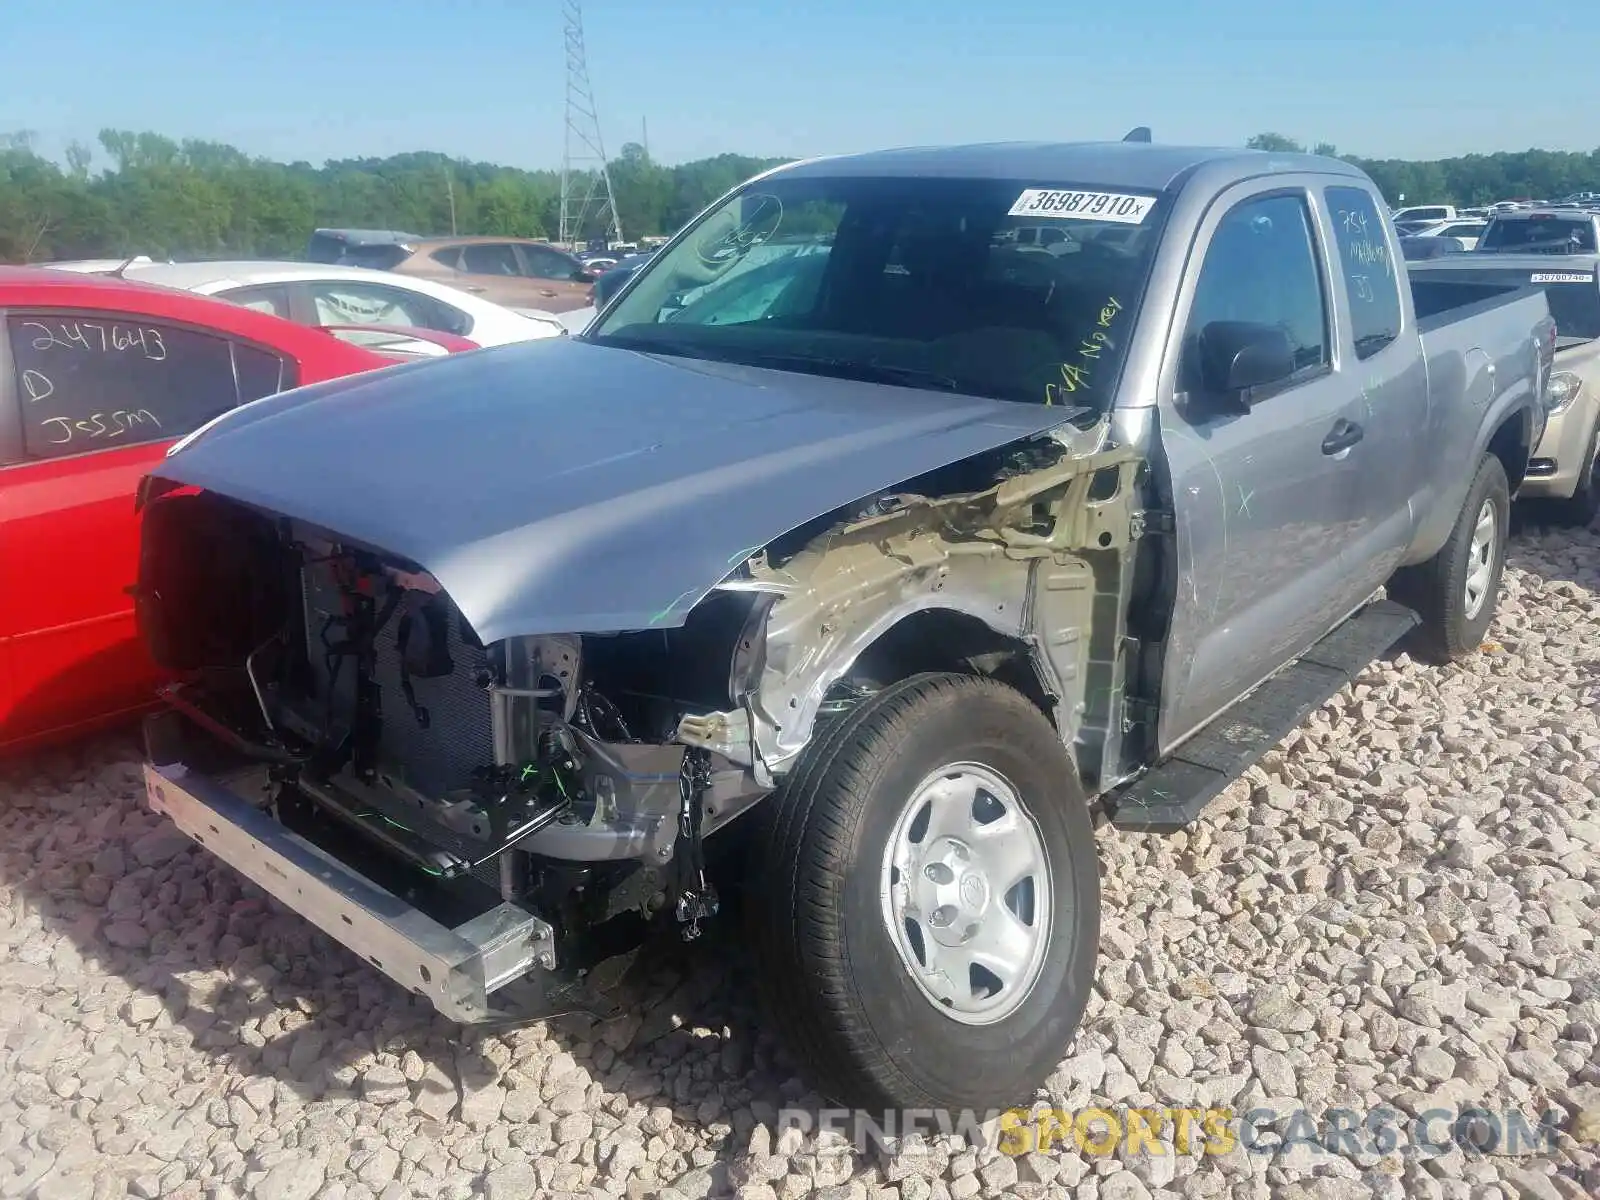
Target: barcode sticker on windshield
pixel 1083 206
pixel 1560 277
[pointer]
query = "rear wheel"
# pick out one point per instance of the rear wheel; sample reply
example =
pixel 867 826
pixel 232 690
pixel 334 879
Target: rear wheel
pixel 925 900
pixel 1457 589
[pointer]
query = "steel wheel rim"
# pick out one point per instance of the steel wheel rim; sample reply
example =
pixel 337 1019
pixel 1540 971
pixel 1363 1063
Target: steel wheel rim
pixel 966 893
pixel 1480 560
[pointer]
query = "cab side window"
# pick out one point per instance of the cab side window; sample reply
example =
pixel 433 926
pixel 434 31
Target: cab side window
pixel 1261 268
pixel 1369 275
pixel 96 381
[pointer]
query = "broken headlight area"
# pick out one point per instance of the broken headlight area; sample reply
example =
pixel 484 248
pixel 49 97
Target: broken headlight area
pixel 537 771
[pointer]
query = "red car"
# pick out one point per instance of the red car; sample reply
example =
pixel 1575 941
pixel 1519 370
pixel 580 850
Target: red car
pixel 97 378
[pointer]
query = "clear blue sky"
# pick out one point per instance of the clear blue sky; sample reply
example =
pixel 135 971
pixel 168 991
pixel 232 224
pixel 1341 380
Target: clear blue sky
pixel 483 79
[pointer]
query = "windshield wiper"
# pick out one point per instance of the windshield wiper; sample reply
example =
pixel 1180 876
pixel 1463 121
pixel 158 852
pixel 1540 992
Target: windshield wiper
pixel 847 368
pixel 843 368
pixel 645 345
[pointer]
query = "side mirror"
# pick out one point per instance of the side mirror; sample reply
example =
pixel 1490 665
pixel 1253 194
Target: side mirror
pixel 1233 357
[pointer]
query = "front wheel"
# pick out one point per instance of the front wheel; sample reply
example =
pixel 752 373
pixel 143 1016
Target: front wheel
pixel 1580 509
pixel 926 899
pixel 1457 589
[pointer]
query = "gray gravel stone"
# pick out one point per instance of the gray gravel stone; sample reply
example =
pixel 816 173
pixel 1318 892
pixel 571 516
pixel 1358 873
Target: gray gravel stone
pixel 1398 906
pixel 160 845
pixel 384 1085
pixel 295 1178
pixel 517 1181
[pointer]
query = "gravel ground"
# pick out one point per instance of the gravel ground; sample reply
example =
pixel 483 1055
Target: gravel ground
pixel 1398 908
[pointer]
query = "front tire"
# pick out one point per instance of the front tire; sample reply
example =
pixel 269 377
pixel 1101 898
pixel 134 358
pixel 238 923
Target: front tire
pixel 1579 510
pixel 1457 589
pixel 925 899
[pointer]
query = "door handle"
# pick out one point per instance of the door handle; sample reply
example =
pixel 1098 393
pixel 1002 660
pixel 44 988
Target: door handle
pixel 1342 436
pixel 476 291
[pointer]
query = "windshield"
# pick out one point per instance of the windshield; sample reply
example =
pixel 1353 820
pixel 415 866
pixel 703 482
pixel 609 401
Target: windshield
pixel 1005 289
pixel 1557 235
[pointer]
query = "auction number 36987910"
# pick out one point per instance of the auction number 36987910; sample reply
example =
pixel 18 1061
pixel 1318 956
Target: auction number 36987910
pixel 1080 205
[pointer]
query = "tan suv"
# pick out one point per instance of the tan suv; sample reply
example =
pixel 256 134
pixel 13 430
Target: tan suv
pixel 515 272
pixel 1564 471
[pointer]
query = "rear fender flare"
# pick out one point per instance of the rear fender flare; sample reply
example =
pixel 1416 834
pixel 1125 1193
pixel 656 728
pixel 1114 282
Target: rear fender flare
pixel 1509 434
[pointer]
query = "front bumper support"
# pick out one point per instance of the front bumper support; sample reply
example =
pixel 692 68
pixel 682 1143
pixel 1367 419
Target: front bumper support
pixel 458 969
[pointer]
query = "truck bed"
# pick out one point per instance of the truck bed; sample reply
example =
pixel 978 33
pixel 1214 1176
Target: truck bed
pixel 1568 281
pixel 1477 349
pixel 1442 301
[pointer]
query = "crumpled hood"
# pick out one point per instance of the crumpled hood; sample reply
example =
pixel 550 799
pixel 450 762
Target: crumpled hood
pixel 560 487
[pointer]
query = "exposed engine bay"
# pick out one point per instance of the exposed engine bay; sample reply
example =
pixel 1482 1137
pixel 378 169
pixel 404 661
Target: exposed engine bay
pixel 579 776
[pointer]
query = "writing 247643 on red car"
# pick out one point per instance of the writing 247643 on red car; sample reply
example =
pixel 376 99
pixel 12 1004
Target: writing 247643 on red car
pixel 97 378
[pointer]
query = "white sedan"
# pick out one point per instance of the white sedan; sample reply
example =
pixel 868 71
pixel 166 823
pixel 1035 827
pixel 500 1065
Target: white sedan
pixel 321 294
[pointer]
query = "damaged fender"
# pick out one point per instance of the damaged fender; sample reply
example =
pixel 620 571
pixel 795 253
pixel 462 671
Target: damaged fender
pixel 1028 557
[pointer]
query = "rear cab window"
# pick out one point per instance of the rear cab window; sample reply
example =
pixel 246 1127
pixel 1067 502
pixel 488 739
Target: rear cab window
pixel 81 382
pixel 1547 233
pixel 1370 278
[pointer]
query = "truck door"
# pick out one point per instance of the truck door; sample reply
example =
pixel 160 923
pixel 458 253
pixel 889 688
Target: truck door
pixel 1260 490
pixel 1381 359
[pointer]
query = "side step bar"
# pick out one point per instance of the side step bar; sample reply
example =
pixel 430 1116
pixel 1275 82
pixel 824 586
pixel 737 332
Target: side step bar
pixel 1171 795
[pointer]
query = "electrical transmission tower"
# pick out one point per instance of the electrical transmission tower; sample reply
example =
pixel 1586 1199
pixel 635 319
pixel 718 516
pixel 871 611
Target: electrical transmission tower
pixel 584 172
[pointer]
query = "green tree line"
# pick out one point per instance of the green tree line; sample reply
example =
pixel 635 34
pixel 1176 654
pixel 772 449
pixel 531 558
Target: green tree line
pixel 1472 179
pixel 200 199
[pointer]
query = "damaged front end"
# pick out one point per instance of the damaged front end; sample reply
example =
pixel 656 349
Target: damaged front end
pixel 1027 575
pixel 486 822
pixel 462 815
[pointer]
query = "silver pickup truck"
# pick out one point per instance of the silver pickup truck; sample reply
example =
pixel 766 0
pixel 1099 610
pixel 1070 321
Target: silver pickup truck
pixel 871 559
